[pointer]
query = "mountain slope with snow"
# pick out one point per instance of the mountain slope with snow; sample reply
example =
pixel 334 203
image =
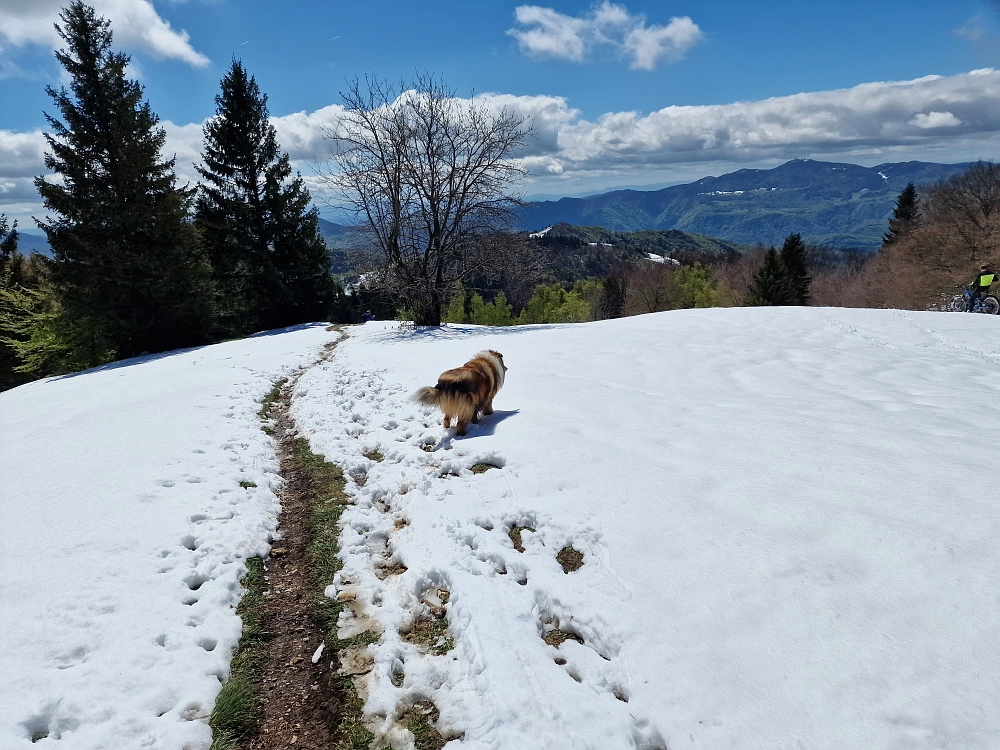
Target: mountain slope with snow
pixel 836 204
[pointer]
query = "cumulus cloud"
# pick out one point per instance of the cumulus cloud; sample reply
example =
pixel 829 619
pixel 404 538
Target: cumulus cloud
pixel 868 117
pixel 934 118
pixel 135 23
pixel 545 32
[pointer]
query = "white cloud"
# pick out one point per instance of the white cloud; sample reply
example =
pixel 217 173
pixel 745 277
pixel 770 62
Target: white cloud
pixel 548 33
pixel 21 154
pixel 871 116
pixel 972 30
pixel 135 23
pixel 953 118
pixel 648 45
pixel 935 120
pixel 553 35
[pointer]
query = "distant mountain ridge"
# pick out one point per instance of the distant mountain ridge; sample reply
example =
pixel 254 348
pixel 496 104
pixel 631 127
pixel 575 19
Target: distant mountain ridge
pixel 28 243
pixel 335 235
pixel 841 205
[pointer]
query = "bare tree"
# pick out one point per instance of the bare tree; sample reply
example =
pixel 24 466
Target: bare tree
pixel 652 288
pixel 965 211
pixel 432 177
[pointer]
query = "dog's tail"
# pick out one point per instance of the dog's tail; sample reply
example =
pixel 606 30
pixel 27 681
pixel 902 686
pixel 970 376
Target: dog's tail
pixel 428 396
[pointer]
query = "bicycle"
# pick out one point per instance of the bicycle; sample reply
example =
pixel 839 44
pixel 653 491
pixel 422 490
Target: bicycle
pixel 987 304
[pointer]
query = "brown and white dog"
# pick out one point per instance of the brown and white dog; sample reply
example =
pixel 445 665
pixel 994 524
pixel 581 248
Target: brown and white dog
pixel 466 391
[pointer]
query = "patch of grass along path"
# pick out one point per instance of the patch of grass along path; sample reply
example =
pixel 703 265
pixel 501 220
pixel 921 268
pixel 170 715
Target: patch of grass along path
pixel 276 696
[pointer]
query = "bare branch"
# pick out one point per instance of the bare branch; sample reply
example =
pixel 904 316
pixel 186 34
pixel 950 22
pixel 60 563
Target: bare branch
pixel 431 175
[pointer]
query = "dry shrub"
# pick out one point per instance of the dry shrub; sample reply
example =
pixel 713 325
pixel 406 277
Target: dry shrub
pixel 733 279
pixel 641 287
pixel 651 288
pixel 959 230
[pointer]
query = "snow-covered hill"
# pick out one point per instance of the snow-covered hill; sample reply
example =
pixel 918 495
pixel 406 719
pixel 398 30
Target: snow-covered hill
pixel 788 533
pixel 125 529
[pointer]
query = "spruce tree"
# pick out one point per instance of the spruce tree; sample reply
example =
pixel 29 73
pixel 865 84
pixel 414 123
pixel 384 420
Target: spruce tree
pixel 8 260
pixel 769 286
pixel 904 216
pixel 8 242
pixel 793 261
pixel 126 266
pixel 270 264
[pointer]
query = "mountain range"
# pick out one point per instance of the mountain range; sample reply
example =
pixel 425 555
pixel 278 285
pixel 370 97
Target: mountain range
pixel 28 243
pixel 840 205
pixel 335 235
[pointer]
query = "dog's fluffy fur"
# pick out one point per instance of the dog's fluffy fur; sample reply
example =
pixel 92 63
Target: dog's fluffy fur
pixel 466 391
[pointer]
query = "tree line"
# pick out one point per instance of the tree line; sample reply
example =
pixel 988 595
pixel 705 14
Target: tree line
pixel 140 263
pixel 935 240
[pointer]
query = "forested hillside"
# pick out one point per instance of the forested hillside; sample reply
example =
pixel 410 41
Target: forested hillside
pixel 840 205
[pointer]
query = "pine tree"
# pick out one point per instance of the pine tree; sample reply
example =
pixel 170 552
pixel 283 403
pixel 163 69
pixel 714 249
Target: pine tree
pixel 904 216
pixel 126 266
pixel 8 243
pixel 9 258
pixel 770 283
pixel 270 264
pixel 793 262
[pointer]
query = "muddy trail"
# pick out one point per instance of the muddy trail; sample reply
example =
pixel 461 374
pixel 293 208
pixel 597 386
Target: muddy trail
pixel 288 660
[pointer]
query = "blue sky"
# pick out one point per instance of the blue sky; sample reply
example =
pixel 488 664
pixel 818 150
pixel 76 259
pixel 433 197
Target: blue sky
pixel 588 61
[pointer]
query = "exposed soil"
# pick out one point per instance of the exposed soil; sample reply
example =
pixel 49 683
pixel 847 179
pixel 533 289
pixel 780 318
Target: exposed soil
pixel 515 536
pixel 299 698
pixel 557 637
pixel 301 704
pixel 570 559
pixel 482 468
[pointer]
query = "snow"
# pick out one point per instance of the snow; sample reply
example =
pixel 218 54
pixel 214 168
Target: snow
pixel 788 534
pixel 662 259
pixel 125 532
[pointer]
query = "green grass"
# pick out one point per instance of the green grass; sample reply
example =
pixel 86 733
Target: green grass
pixel 420 720
pixel 237 708
pixel 247 484
pixel 268 401
pixel 324 488
pixel 432 635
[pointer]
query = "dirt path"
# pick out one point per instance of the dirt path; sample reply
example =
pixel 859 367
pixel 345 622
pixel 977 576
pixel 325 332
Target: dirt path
pixel 300 702
pixel 299 697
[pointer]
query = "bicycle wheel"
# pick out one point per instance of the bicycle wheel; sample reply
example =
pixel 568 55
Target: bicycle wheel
pixel 991 305
pixel 958 304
